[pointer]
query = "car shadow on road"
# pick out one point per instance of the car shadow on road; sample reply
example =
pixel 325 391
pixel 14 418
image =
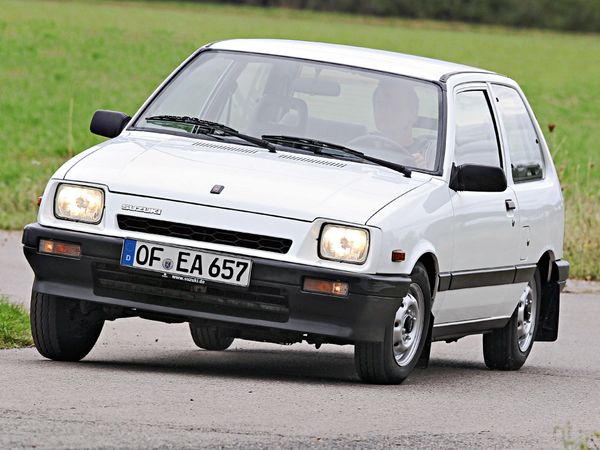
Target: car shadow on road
pixel 299 366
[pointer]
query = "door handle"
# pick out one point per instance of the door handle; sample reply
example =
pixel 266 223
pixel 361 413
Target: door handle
pixel 510 205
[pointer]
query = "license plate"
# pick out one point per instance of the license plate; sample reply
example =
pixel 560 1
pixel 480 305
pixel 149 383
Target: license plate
pixel 185 264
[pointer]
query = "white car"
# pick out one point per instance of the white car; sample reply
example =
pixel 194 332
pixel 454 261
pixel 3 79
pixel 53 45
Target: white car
pixel 287 191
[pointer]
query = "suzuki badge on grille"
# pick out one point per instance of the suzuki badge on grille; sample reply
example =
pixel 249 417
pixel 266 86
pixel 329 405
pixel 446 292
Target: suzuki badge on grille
pixel 144 209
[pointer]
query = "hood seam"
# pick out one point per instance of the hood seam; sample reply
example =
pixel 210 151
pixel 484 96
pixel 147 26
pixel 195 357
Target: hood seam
pixel 393 200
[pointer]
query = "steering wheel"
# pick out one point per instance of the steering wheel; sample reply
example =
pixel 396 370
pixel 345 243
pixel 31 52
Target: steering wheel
pixel 384 142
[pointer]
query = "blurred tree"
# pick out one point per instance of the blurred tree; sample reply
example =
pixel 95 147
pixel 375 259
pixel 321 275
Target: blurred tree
pixel 572 15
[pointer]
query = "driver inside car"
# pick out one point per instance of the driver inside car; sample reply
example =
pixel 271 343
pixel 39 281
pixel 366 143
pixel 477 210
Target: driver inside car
pixel 395 110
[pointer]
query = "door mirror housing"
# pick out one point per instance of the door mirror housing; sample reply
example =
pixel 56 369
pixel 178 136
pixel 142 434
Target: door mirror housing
pixel 477 178
pixel 108 123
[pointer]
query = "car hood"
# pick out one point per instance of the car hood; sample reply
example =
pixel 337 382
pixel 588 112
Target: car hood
pixel 286 184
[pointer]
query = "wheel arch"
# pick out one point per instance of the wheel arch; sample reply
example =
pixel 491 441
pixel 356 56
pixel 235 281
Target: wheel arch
pixel 544 264
pixel 429 260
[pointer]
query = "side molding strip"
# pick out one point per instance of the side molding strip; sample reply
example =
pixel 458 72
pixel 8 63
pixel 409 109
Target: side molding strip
pixel 450 281
pixel 453 330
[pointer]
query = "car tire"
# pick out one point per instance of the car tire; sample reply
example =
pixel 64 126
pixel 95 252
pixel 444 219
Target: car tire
pixel 210 338
pixel 508 348
pixel 60 328
pixel 392 361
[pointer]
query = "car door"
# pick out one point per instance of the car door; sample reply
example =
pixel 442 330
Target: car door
pixel 480 285
pixel 538 195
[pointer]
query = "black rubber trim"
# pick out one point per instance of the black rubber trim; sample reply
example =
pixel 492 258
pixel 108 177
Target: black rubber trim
pixel 93 245
pixel 456 330
pixel 109 247
pixel 445 279
pixel 451 281
pixel 547 330
pixel 524 273
pixel 480 278
pixel 372 298
pixel 561 268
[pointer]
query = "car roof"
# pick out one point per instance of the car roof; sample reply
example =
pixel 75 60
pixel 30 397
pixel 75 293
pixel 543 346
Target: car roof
pixel 386 61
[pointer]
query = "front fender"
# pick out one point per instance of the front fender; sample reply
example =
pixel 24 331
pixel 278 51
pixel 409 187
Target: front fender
pixel 417 223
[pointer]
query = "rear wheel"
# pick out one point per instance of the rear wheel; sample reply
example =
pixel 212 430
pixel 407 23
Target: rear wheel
pixel 63 329
pixel 391 361
pixel 210 338
pixel 509 347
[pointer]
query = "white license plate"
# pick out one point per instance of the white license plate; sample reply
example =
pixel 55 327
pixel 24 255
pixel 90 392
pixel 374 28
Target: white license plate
pixel 185 264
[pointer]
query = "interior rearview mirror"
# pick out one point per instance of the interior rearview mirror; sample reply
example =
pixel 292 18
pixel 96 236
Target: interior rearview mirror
pixel 316 86
pixel 108 123
pixel 477 178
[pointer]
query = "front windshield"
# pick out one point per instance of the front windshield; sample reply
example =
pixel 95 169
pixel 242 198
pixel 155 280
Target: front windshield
pixel 382 115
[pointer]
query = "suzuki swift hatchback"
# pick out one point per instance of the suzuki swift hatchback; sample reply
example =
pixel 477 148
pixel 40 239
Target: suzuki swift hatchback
pixel 287 191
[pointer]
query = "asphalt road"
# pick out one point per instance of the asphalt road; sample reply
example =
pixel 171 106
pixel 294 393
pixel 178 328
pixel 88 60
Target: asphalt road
pixel 145 385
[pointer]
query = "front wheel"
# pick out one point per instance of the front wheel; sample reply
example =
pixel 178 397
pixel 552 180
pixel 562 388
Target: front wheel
pixel 509 347
pixel 61 328
pixel 391 361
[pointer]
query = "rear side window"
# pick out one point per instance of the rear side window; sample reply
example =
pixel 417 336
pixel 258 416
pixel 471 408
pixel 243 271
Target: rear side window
pixel 476 138
pixel 524 149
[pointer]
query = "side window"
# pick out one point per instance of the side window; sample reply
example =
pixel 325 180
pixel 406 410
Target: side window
pixel 524 149
pixel 476 138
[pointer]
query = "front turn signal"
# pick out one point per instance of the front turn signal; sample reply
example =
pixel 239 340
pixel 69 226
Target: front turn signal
pixel 338 288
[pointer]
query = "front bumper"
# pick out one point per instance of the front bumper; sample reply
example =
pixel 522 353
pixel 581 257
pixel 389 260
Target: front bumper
pixel 274 300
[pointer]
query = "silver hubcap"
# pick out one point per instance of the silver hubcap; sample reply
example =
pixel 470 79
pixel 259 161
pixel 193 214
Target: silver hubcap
pixel 526 314
pixel 408 326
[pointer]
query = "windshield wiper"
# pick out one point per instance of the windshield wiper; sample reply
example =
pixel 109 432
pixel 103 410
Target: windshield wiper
pixel 201 126
pixel 318 147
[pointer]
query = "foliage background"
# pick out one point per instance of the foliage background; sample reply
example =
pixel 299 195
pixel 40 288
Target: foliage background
pixel 573 15
pixel 62 60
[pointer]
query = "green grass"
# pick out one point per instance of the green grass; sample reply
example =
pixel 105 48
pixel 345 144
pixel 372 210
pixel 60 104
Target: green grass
pixel 14 326
pixel 572 440
pixel 60 61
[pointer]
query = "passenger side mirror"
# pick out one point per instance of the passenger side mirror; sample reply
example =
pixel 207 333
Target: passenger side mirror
pixel 476 178
pixel 108 123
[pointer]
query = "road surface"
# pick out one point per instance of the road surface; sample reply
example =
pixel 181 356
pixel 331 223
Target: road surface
pixel 145 385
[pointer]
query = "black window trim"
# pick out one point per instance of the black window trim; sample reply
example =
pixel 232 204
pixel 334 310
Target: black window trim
pixel 482 86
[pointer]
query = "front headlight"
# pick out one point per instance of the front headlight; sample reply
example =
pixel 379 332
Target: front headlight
pixel 79 203
pixel 342 243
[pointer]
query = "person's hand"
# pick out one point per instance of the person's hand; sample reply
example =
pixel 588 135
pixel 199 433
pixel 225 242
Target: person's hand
pixel 419 159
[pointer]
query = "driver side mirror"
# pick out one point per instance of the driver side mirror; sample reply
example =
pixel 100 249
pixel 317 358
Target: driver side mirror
pixel 108 123
pixel 477 178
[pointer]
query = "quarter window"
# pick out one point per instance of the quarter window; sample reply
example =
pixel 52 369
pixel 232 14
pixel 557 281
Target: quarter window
pixel 524 149
pixel 476 138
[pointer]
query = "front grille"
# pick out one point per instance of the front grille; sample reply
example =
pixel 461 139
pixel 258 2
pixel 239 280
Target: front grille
pixel 204 234
pixel 258 301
